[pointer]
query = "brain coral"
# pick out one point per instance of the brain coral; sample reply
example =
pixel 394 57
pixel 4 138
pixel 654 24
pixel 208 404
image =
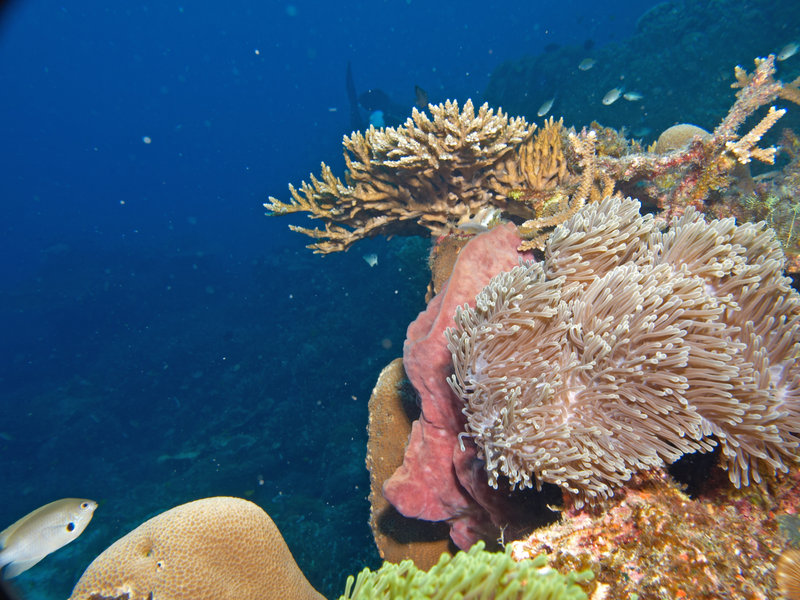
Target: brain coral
pixel 628 347
pixel 215 549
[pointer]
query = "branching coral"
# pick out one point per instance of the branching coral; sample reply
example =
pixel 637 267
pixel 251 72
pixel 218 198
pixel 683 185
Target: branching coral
pixel 706 164
pixel 692 167
pixel 462 168
pixel 628 348
pixel 561 206
pixel 430 173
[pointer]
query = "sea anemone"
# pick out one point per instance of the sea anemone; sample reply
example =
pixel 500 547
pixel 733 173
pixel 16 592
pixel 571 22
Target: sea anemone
pixel 628 347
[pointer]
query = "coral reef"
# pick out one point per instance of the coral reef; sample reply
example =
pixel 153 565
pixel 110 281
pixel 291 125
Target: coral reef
pixel 775 198
pixel 438 482
pixel 462 170
pixel 473 574
pixel 457 171
pixel 628 348
pixel 562 204
pixel 679 58
pixel 228 548
pixel 696 174
pixel 216 548
pixel 652 541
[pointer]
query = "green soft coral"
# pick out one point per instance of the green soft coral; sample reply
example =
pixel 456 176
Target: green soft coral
pixel 469 575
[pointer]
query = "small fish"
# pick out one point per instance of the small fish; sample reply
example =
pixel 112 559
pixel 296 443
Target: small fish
pixel 586 64
pixel 788 51
pixel 632 96
pixel 42 532
pixel 545 107
pixel 371 259
pixel 420 98
pixel 612 96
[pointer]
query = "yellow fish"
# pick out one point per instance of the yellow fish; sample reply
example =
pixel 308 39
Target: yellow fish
pixel 42 532
pixel 586 64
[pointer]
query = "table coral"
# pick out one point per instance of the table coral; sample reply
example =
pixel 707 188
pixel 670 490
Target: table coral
pixel 428 174
pixel 628 347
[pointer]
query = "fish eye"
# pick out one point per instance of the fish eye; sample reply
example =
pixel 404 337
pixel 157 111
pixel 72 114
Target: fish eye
pixel 70 526
pixel 84 505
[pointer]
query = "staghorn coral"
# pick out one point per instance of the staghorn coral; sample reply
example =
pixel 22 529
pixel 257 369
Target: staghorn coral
pixel 762 79
pixel 214 549
pixel 428 174
pixel 473 574
pixel 628 348
pixel 693 174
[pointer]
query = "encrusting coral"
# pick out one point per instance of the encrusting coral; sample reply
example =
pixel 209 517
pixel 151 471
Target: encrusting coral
pixel 219 548
pixel 474 574
pixel 653 541
pixel 628 347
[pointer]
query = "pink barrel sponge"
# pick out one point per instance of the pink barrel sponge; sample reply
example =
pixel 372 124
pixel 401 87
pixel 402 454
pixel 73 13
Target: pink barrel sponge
pixel 441 480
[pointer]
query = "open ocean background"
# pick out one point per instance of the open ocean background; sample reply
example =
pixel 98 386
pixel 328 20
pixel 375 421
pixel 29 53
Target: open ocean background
pixel 161 340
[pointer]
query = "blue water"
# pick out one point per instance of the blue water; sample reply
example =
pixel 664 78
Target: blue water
pixel 162 340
